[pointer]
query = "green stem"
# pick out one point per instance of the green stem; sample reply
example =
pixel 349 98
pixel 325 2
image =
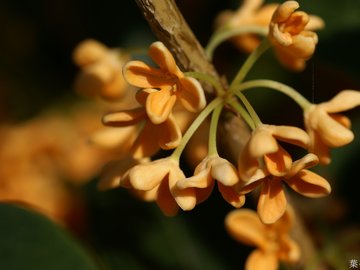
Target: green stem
pixel 209 79
pixel 194 126
pixel 250 61
pixel 283 88
pixel 225 33
pixel 249 108
pixel 244 114
pixel 213 130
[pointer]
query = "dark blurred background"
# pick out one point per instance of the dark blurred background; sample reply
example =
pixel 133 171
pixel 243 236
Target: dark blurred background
pixel 36 72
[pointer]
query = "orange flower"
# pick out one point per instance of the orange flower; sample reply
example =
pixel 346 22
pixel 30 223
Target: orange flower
pixel 166 135
pixel 272 201
pixel 160 177
pixel 263 145
pixel 210 169
pixel 115 174
pixel 326 127
pixel 173 84
pixel 290 33
pixel 272 241
pixel 250 13
pixel 101 70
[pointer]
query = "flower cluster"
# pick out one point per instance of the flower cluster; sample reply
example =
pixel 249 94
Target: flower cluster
pixel 263 162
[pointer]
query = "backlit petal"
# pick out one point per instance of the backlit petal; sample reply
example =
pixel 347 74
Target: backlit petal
pixel 165 200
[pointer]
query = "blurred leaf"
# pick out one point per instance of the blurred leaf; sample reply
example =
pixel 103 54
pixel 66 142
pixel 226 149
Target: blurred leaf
pixel 31 241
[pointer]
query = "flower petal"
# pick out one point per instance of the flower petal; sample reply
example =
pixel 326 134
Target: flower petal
pixel 202 179
pixel 231 196
pixel 162 56
pixel 124 118
pixel 284 11
pixel 289 134
pixel 165 200
pixel 185 198
pixel 289 250
pixel 191 94
pixel 223 171
pixel 331 132
pixel 141 179
pixel 245 226
pixel 113 172
pixel 139 74
pixel 146 143
pixel 343 101
pixel 278 163
pixel 272 201
pixel 259 260
pixel 262 142
pixel 309 184
pixel 159 105
pixel 308 161
pixel 168 134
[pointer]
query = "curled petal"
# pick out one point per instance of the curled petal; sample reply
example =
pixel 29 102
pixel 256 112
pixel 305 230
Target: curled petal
pixel 162 56
pixel 308 161
pixel 343 101
pixel 159 105
pixel 191 94
pixel 231 196
pixel 331 132
pixel 139 74
pixel 284 11
pixel 272 201
pixel 247 165
pixel 244 226
pixel 124 118
pixel 289 134
pixel 315 23
pixel 309 184
pixel 260 259
pixel 202 179
pixel 224 172
pixel 168 134
pixel 185 198
pixel 141 179
pixel 278 163
pixel 165 200
pixel 262 143
pixel 296 22
pixel 319 148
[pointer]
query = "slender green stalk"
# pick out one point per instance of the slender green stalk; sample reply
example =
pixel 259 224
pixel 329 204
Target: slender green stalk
pixel 249 108
pixel 225 33
pixel 209 79
pixel 194 126
pixel 213 130
pixel 250 61
pixel 283 88
pixel 244 114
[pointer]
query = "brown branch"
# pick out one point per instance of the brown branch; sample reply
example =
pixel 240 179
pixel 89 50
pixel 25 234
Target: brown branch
pixel 169 26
